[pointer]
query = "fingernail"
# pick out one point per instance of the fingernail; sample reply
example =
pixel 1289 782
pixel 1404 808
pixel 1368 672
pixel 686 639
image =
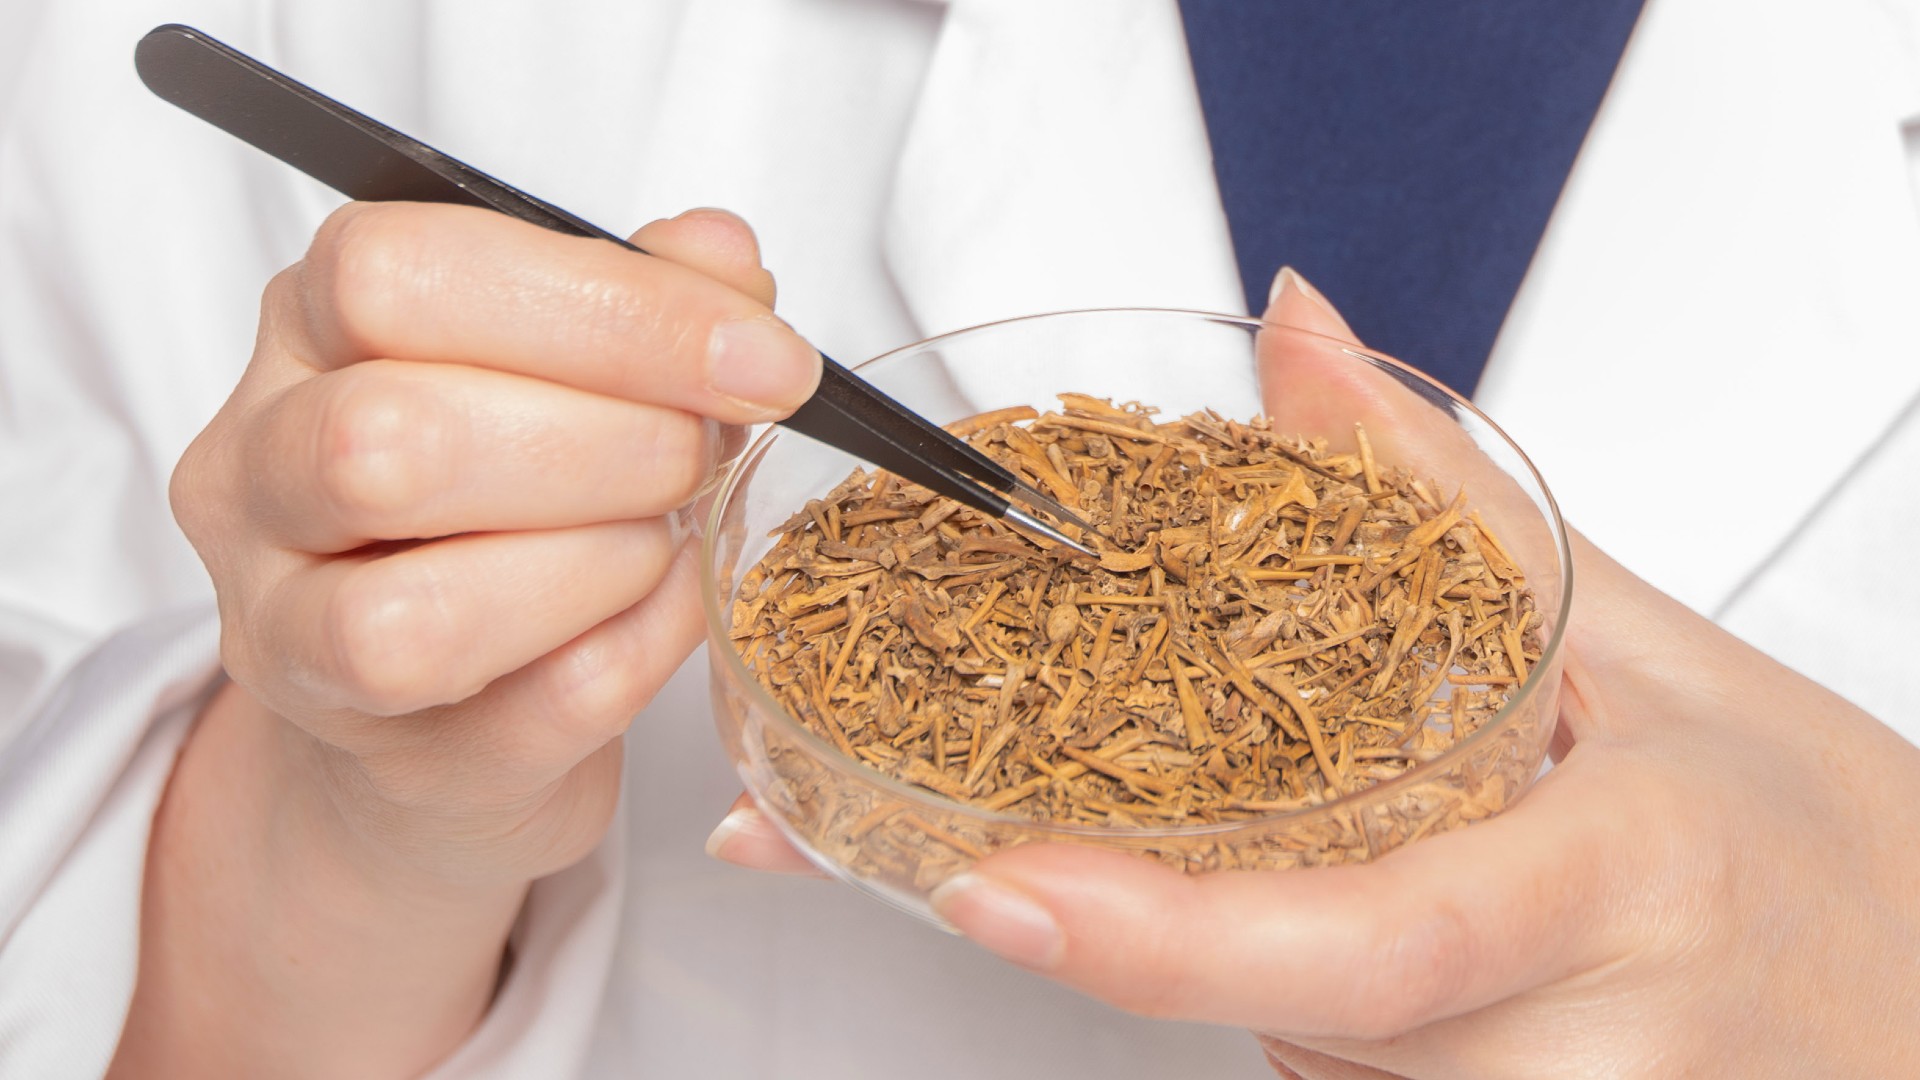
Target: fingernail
pixel 1289 278
pixel 762 365
pixel 1002 920
pixel 728 828
pixel 683 523
pixel 713 438
pixel 725 441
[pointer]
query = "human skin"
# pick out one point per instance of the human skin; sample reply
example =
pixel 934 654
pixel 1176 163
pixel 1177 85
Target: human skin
pixel 438 512
pixel 1719 877
pixel 440 430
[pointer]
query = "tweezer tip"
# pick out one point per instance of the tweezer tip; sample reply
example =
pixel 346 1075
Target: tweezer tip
pixel 1035 525
pixel 1052 509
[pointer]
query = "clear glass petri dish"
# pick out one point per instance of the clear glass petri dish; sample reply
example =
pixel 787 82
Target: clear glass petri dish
pixel 898 842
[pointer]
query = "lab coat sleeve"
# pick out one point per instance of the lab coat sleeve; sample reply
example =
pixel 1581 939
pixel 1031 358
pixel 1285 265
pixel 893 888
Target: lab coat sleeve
pixel 126 318
pixel 79 782
pixel 78 788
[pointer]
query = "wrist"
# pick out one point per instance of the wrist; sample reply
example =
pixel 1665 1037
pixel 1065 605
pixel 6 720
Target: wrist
pixel 356 829
pixel 272 923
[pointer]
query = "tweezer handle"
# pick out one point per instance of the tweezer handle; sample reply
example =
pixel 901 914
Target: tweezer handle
pixel 366 160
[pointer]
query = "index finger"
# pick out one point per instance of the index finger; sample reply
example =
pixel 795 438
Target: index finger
pixel 1368 951
pixel 422 282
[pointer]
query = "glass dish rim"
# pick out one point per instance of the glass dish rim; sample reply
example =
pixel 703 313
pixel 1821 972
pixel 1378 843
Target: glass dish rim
pixel 717 628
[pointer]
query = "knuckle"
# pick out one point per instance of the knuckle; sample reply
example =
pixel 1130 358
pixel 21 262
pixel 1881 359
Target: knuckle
pixel 190 493
pixel 614 306
pixel 389 640
pixel 242 663
pixel 361 256
pixel 1161 999
pixel 1158 979
pixel 594 688
pixel 1417 969
pixel 283 299
pixel 682 451
pixel 612 312
pixel 379 442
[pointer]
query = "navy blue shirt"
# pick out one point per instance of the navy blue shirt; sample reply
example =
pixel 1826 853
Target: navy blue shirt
pixel 1404 156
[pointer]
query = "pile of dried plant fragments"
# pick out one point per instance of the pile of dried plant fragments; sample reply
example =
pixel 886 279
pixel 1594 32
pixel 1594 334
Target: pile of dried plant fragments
pixel 1271 624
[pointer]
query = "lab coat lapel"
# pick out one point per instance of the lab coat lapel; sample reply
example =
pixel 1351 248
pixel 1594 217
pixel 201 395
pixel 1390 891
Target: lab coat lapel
pixel 1721 320
pixel 1696 225
pixel 1057 159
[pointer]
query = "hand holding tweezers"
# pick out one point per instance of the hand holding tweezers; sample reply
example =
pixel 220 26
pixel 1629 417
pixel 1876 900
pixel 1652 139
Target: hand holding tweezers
pixel 366 160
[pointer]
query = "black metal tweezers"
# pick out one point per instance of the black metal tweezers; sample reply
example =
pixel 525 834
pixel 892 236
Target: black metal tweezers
pixel 367 160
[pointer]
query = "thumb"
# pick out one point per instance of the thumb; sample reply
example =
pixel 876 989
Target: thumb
pixel 1436 929
pixel 1322 383
pixel 1293 301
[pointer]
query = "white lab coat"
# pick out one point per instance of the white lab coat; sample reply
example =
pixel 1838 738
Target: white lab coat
pixel 1726 300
